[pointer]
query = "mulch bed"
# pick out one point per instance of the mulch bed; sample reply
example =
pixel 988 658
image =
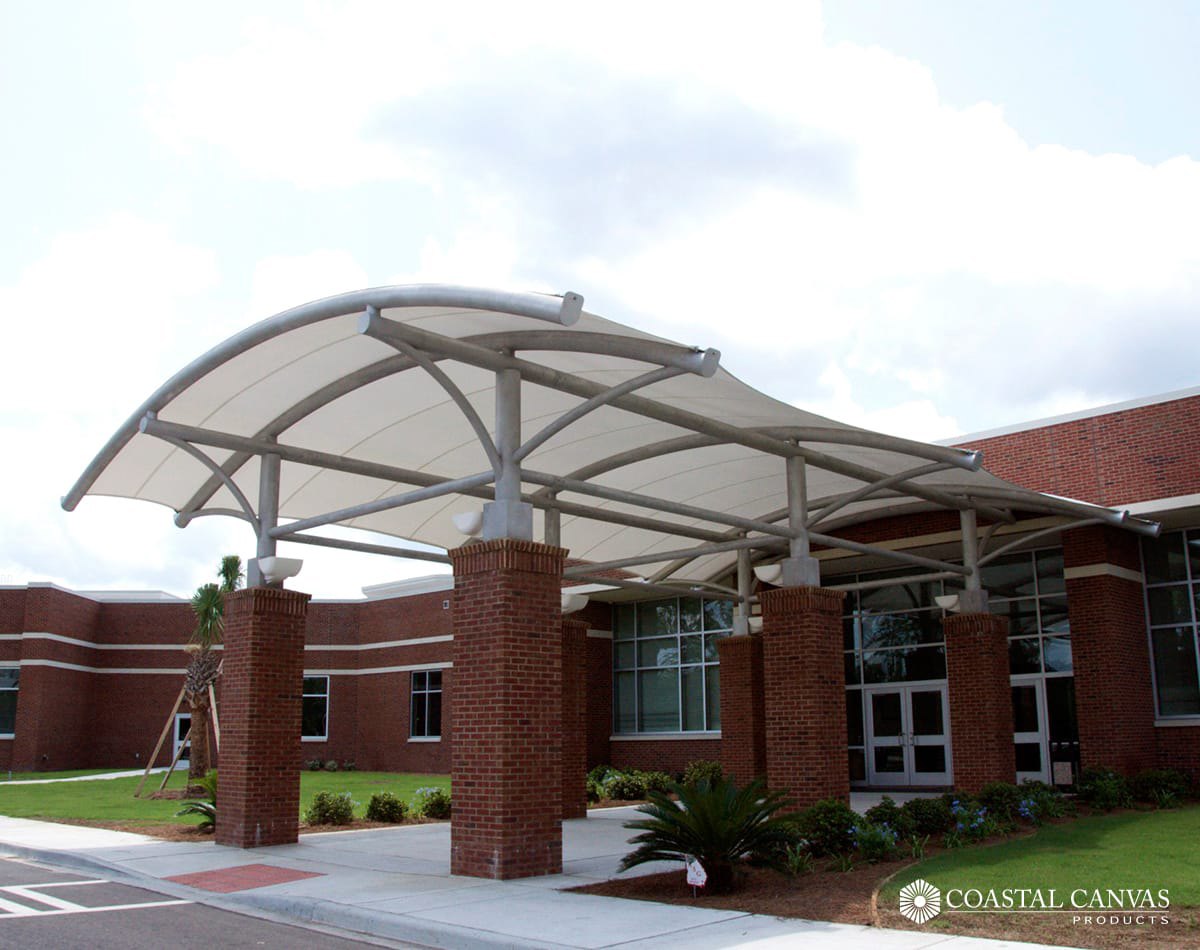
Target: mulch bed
pixel 174 831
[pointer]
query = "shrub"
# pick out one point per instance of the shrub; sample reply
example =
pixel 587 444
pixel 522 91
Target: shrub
pixel 828 826
pixel 1001 799
pixel 930 816
pixel 971 820
pixel 208 782
pixel 349 766
pixel 1162 788
pixel 702 768
pixel 208 809
pixel 331 765
pixel 1104 789
pixel 875 842
pixel 887 812
pixel 625 786
pixel 656 781
pixel 715 822
pixel 314 765
pixel 432 803
pixel 384 806
pixel 798 860
pixel 1040 801
pixel 328 808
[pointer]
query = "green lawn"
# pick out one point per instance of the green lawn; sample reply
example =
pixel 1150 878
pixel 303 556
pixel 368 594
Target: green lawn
pixel 112 799
pixel 70 773
pixel 1133 849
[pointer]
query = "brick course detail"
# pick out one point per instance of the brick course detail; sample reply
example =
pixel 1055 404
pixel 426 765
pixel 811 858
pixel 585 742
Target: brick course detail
pixel 804 693
pixel 743 716
pixel 261 686
pixel 507 758
pixel 981 723
pixel 574 718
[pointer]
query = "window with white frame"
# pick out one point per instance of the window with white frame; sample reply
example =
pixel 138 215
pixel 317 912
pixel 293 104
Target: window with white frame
pixel 1171 566
pixel 10 678
pixel 665 672
pixel 314 715
pixel 426 719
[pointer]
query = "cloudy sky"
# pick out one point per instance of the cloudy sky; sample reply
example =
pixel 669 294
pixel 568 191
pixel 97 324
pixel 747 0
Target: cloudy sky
pixel 925 217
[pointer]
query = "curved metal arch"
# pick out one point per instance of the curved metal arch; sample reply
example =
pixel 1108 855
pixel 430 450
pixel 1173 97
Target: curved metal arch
pixel 564 310
pixel 184 518
pixel 229 483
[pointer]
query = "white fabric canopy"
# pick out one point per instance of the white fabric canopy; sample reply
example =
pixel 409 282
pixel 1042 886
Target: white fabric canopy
pixel 311 379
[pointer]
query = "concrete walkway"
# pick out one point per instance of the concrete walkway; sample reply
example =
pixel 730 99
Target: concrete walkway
pixel 87 778
pixel 395 884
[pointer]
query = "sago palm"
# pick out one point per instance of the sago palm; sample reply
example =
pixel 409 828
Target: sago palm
pixel 715 822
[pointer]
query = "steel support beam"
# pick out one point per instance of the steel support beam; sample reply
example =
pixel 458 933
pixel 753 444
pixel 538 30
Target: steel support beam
pixel 365 547
pixel 508 516
pixel 268 518
pixel 653 557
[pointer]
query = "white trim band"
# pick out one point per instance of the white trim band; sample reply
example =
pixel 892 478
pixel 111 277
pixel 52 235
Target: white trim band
pixel 382 645
pixel 80 668
pixel 1102 570
pixel 667 736
pixel 410 668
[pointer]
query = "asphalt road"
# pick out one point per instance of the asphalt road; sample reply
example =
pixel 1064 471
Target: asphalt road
pixel 41 907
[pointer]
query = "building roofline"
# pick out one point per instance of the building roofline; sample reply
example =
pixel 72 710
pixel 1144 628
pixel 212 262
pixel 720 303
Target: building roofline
pixel 1045 423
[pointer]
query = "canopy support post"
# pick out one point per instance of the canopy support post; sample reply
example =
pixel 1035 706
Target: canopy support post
pixel 741 611
pixel 268 518
pixel 508 516
pixel 973 600
pixel 800 569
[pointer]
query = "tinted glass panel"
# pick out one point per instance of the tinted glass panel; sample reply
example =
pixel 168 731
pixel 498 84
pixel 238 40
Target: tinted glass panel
pixel 1054 615
pixel 662 651
pixel 899 630
pixel 929 758
pixel 885 714
pixel 435 715
pixel 315 684
pixel 849 628
pixel 1025 711
pixel 692 678
pixel 8 711
pixel 657 618
pixel 858 765
pixel 624 622
pixel 895 666
pixel 693 649
pixel 889 759
pixel 854 717
pixel 1009 576
pixel 1021 615
pixel 927 712
pixel 418 723
pixel 1057 654
pixel 312 721
pixel 904 597
pixel 1060 709
pixel 1029 756
pixel 690 614
pixel 1025 656
pixel 718 614
pixel 1170 604
pixel 712 682
pixel 1050 572
pixel 710 646
pixel 658 700
pixel 852 675
pixel 1175 671
pixel 1164 559
pixel 623 655
pixel 624 708
pixel 10 677
pixel 435 679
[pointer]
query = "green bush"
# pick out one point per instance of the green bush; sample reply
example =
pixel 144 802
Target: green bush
pixel 1040 801
pixel 930 816
pixel 331 765
pixel 656 781
pixel 1104 789
pixel 432 803
pixel 384 806
pixel 718 824
pixel 207 809
pixel 887 812
pixel 1001 799
pixel 349 766
pixel 972 821
pixel 875 842
pixel 702 768
pixel 625 786
pixel 328 808
pixel 314 765
pixel 828 826
pixel 1162 788
pixel 208 782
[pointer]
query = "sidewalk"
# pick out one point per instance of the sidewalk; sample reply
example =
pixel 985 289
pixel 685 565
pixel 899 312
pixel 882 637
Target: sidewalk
pixel 396 884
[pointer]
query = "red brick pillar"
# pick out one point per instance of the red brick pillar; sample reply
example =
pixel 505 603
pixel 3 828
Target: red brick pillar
pixel 1114 695
pixel 262 680
pixel 743 717
pixel 507 758
pixel 574 718
pixel 981 718
pixel 804 693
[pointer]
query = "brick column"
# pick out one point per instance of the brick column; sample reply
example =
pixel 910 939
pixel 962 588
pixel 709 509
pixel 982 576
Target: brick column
pixel 507 758
pixel 743 716
pixel 804 693
pixel 1114 695
pixel 574 718
pixel 262 679
pixel 981 718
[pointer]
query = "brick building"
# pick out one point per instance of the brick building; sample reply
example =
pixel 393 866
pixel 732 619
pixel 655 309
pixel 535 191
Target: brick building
pixel 1088 657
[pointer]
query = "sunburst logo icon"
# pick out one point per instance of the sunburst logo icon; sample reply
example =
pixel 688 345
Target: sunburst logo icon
pixel 920 901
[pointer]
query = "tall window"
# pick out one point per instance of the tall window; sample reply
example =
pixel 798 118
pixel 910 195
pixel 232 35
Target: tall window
pixel 314 716
pixel 665 673
pixel 426 719
pixel 1171 565
pixel 10 677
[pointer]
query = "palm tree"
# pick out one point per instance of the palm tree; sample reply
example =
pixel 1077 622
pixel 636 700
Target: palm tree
pixel 208 604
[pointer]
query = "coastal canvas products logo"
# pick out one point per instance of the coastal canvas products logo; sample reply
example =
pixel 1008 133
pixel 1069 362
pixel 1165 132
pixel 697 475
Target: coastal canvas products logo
pixel 920 901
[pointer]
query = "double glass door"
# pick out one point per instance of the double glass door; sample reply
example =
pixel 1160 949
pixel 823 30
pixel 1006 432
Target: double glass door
pixel 908 735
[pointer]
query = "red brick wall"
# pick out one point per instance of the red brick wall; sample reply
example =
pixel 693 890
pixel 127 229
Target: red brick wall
pixel 804 689
pixel 263 669
pixel 1112 459
pixel 663 755
pixel 981 722
pixel 508 710
pixel 1114 696
pixel 574 718
pixel 743 716
pixel 1178 747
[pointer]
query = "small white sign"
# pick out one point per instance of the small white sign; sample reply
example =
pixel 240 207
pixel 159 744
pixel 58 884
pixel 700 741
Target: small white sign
pixel 696 875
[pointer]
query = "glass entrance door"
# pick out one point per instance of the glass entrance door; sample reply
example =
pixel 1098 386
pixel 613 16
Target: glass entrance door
pixel 1029 730
pixel 908 735
pixel 183 725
